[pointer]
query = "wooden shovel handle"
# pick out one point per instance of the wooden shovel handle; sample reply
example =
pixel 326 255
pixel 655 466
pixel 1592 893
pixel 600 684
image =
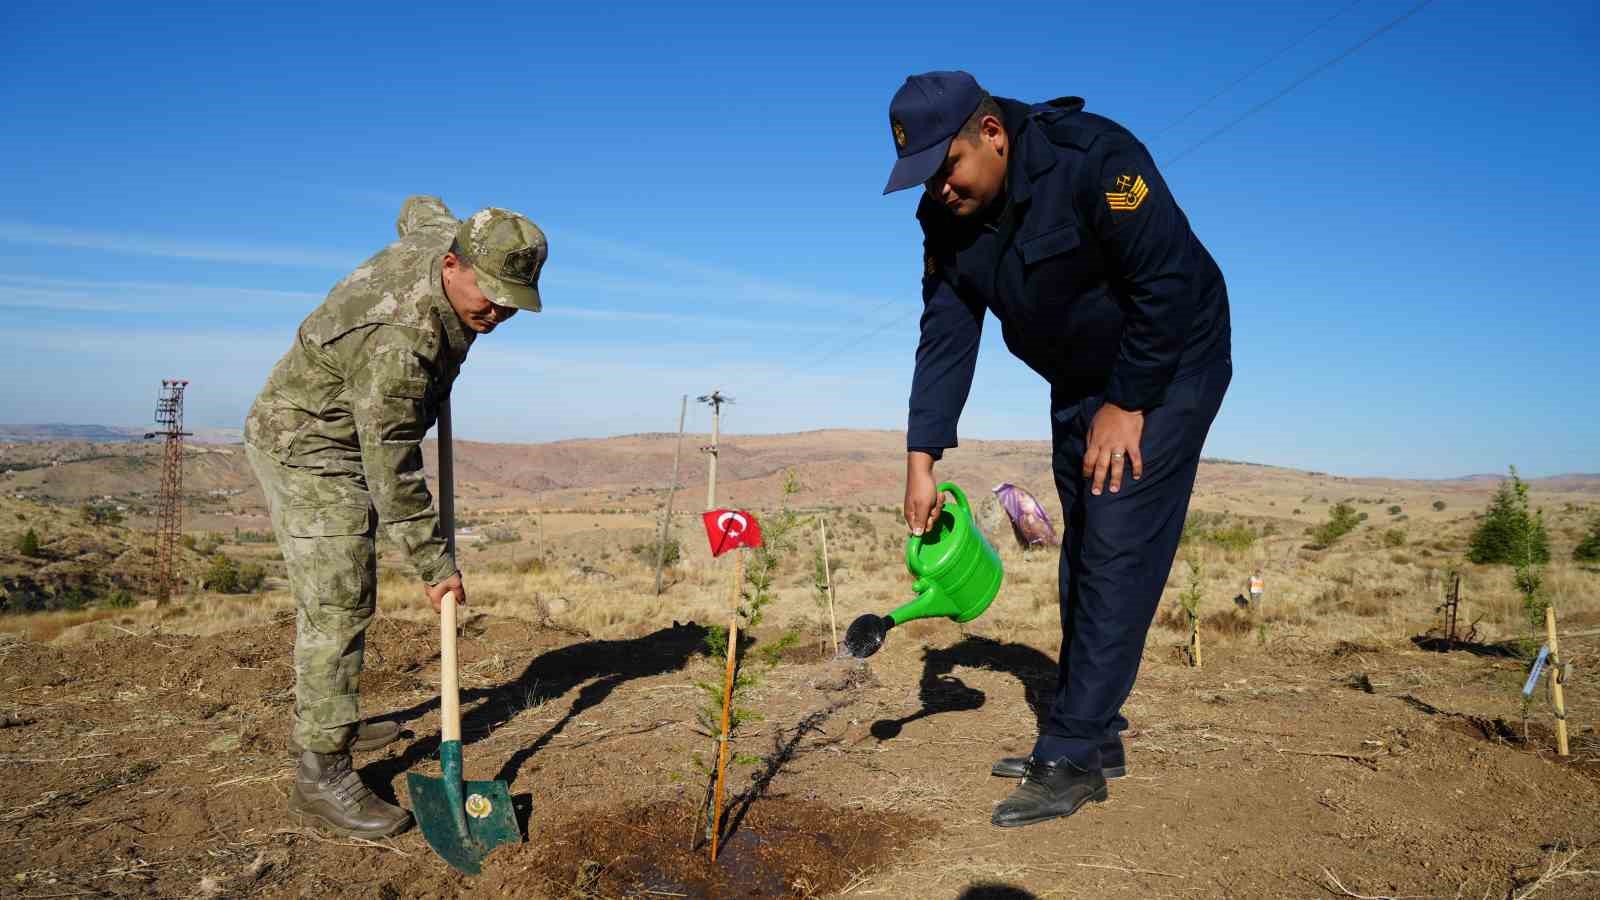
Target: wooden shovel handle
pixel 449 699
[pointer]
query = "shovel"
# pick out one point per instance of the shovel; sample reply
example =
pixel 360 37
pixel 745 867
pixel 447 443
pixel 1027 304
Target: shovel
pixel 462 820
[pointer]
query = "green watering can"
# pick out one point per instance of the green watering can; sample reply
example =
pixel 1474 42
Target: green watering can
pixel 958 575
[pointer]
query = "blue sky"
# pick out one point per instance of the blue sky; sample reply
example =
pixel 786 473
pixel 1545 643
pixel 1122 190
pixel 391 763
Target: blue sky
pixel 1408 237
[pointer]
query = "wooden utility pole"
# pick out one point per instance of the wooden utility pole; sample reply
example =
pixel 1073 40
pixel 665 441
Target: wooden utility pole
pixel 715 399
pixel 1558 697
pixel 672 489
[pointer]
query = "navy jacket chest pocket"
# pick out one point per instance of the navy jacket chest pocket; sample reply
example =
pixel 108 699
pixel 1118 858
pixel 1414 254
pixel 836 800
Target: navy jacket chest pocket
pixel 1056 242
pixel 1056 267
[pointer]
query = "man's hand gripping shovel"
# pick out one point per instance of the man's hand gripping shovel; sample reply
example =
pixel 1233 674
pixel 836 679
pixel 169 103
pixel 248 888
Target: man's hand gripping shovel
pixel 462 820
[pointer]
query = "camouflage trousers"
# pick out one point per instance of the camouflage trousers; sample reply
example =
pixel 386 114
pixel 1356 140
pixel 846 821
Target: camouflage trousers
pixel 325 526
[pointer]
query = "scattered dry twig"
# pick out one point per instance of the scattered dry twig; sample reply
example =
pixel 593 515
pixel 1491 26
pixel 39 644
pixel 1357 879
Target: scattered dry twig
pixel 352 842
pixel 1370 760
pixel 1349 893
pixel 1558 869
pixel 1124 869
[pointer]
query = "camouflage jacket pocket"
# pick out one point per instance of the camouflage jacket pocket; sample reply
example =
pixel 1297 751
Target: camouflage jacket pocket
pixel 412 387
pixel 327 521
pixel 275 429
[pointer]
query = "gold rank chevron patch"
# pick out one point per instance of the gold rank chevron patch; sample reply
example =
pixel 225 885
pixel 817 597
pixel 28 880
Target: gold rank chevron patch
pixel 1130 196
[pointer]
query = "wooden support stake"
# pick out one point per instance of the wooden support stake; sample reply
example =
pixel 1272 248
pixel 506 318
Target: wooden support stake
pixel 1194 638
pixel 827 574
pixel 727 702
pixel 1557 692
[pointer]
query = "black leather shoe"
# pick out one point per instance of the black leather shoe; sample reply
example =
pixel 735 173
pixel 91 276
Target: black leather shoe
pixel 1049 791
pixel 369 736
pixel 1113 762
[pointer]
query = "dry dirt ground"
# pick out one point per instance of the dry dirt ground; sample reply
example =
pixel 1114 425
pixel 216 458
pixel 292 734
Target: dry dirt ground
pixel 1319 752
pixel 155 764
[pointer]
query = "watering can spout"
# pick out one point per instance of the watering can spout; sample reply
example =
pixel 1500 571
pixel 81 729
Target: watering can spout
pixel 929 603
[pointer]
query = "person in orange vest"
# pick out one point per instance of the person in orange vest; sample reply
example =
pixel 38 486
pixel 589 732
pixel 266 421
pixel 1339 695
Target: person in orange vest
pixel 1257 587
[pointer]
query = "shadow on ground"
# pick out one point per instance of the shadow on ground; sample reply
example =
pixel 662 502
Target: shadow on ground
pixel 993 890
pixel 594 667
pixel 942 692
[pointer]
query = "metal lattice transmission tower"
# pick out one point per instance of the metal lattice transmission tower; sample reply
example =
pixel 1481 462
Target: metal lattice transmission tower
pixel 169 510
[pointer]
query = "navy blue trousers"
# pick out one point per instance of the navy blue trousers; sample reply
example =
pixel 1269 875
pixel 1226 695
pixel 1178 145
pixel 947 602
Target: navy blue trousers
pixel 1116 557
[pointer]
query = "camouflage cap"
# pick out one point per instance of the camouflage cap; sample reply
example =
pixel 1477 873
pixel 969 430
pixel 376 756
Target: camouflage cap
pixel 506 251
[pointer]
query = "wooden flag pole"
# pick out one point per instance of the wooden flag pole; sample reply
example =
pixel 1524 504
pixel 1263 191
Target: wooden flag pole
pixel 827 574
pixel 727 702
pixel 1557 692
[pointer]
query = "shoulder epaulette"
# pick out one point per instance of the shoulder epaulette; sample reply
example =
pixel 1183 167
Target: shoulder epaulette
pixel 1064 123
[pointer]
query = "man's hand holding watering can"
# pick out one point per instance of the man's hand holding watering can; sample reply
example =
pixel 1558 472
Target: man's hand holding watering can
pixel 922 492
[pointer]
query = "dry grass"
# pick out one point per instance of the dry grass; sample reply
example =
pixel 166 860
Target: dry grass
pixel 578 569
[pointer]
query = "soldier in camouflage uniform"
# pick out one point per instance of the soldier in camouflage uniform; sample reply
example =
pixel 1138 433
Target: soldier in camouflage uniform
pixel 335 439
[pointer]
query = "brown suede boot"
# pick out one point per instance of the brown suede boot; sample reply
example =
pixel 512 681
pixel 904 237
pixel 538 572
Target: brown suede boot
pixel 328 790
pixel 369 736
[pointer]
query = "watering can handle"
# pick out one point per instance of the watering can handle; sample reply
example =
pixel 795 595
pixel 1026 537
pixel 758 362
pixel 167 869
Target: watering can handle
pixel 913 564
pixel 961 497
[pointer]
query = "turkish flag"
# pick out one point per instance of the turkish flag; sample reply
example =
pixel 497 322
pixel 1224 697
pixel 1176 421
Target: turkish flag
pixel 730 528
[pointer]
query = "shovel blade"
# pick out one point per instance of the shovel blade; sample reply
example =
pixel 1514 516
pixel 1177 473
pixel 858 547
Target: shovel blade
pixel 463 832
pixel 462 820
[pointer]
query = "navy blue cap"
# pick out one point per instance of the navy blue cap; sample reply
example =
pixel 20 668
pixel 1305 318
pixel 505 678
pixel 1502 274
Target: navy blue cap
pixel 925 114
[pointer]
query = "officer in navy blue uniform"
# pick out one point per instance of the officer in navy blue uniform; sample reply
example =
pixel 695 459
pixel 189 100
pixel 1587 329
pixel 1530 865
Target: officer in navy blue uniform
pixel 1056 221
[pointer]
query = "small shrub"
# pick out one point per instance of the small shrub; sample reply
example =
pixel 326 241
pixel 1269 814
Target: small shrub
pixel 1395 510
pixel 1394 537
pixel 647 552
pixel 100 514
pixel 74 598
pixel 28 544
pixel 500 534
pixel 121 598
pixel 1588 549
pixel 209 544
pixel 1216 529
pixel 1438 506
pixel 186 541
pixel 1342 519
pixel 228 577
pixel 252 576
pixel 1509 533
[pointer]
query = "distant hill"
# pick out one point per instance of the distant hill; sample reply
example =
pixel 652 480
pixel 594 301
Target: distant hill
pixel 837 468
pixel 36 434
pixel 103 434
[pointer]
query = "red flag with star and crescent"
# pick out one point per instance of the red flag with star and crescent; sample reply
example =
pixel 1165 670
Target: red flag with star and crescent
pixel 730 528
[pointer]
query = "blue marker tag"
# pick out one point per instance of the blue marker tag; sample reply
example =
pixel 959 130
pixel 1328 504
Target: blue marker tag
pixel 1538 669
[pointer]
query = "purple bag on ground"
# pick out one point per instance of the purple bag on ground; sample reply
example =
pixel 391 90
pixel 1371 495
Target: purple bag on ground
pixel 1028 519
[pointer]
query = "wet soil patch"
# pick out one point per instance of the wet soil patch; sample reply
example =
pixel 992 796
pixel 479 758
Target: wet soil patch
pixel 783 848
pixel 809 651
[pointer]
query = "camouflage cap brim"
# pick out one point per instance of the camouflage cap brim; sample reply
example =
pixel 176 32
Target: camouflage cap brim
pixel 508 293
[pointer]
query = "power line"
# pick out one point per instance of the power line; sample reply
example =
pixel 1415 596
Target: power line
pixel 1254 69
pixel 1370 37
pixel 1312 73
